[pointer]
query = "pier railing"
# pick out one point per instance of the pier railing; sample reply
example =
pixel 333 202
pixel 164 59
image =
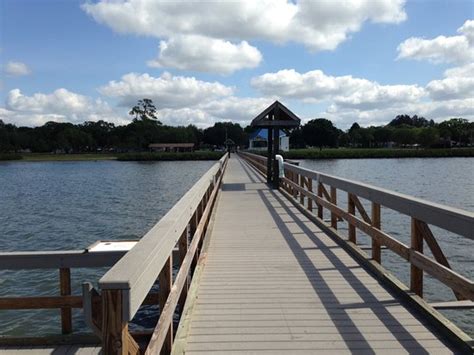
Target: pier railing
pixel 318 192
pixel 126 286
pixel 64 261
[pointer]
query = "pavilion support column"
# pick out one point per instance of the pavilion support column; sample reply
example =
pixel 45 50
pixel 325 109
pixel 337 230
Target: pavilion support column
pixel 276 150
pixel 269 154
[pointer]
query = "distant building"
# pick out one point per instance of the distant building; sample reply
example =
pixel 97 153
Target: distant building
pixel 259 140
pixel 171 147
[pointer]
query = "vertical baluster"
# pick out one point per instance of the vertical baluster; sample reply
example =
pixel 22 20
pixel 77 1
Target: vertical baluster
pixel 183 249
pixel 416 274
pixel 165 281
pixel 302 183
pixel 376 250
pixel 65 290
pixel 351 210
pixel 310 189
pixel 334 201
pixel 295 180
pixel 320 195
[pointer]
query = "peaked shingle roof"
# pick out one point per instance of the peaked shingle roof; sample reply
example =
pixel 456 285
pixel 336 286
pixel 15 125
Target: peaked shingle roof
pixel 276 115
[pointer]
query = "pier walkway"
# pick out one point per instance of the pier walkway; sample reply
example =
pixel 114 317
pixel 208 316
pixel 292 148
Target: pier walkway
pixel 238 267
pixel 272 282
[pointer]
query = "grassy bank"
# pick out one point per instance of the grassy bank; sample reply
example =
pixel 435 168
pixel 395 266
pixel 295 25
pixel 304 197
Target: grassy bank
pixel 10 156
pixel 198 155
pixel 360 153
pixel 67 157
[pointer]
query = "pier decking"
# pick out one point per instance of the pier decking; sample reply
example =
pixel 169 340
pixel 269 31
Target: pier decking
pixel 272 282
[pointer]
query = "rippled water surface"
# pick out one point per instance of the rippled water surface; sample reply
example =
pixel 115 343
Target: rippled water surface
pixel 70 205
pixel 449 181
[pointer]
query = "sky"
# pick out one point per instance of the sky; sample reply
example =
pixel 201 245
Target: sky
pixel 200 62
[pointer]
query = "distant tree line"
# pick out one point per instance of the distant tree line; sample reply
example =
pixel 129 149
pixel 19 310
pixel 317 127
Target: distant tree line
pixel 145 129
pixel 402 131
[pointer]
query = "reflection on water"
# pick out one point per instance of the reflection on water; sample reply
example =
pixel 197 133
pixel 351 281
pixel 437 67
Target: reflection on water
pixel 448 181
pixel 70 205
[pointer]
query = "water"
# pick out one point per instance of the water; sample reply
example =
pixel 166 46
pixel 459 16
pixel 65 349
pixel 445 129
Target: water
pixel 70 205
pixel 448 181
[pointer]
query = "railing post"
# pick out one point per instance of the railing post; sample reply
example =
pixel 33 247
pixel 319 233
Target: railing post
pixel 351 228
pixel 320 195
pixel 165 282
pixel 115 336
pixel 334 201
pixel 295 180
pixel 65 290
pixel 302 183
pixel 416 274
pixel 192 230
pixel 310 189
pixel 183 249
pixel 376 251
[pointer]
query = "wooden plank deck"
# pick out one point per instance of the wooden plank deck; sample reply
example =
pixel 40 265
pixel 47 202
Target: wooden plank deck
pixel 273 283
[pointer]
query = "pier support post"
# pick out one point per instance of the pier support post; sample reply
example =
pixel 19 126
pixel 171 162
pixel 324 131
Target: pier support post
pixel 351 228
pixel 269 154
pixel 334 201
pixel 276 150
pixel 65 290
pixel 376 250
pixel 165 282
pixel 416 274
pixel 115 336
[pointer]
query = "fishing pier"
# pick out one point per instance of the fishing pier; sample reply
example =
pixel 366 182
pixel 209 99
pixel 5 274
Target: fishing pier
pixel 243 266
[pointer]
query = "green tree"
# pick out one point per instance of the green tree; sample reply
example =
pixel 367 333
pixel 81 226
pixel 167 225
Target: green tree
pixel 144 110
pixel 428 136
pixel 320 132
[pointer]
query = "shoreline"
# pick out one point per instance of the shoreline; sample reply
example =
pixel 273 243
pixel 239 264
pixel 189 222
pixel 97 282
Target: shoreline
pixel 310 153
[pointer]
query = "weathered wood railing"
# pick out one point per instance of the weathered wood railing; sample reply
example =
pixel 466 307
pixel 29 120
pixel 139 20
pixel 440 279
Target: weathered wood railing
pixel 126 286
pixel 318 192
pixel 64 261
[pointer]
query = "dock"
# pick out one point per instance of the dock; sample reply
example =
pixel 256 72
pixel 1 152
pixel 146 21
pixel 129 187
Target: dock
pixel 250 269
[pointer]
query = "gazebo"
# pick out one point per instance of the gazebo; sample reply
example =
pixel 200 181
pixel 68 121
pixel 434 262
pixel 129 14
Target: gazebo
pixel 275 117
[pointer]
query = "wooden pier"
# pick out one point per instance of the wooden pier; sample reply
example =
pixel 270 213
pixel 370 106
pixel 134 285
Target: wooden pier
pixel 260 270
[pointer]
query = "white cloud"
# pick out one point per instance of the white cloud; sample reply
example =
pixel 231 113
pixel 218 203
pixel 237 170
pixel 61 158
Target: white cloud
pixel 206 54
pixel 319 25
pixel 59 106
pixel 17 69
pixel 166 91
pixel 458 83
pixel 442 49
pixel 345 91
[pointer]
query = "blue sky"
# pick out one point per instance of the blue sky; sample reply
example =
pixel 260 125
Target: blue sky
pixel 363 61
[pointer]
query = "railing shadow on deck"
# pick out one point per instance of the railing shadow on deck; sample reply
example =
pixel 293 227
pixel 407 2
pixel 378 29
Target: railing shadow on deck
pixel 397 329
pixel 297 186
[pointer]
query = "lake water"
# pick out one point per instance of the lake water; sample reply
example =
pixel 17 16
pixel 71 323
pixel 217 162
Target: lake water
pixel 70 205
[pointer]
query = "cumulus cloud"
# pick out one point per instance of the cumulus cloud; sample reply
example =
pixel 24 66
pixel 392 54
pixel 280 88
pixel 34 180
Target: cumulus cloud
pixel 60 106
pixel 346 91
pixel 319 25
pixel 458 83
pixel 442 49
pixel 206 54
pixel 17 69
pixel 166 91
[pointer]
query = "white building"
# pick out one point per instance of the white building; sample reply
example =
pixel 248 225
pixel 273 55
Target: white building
pixel 259 140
